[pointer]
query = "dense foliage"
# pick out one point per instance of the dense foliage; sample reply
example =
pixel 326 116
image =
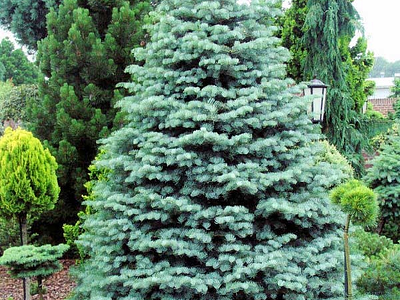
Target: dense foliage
pixel 382 275
pixel 28 182
pixel 396 88
pixel 328 29
pixel 214 190
pixel 16 65
pixel 30 261
pixel 83 57
pixel 292 34
pixel 15 104
pixel 384 178
pixel 26 19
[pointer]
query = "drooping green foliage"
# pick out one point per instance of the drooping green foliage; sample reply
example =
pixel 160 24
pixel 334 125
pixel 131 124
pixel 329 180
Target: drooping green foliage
pixel 26 19
pixel 328 28
pixel 384 178
pixel 84 56
pixel 16 65
pixel 214 190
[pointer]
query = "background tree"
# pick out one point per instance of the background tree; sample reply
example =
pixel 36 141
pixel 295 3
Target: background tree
pixel 358 63
pixel 214 191
pixel 2 72
pixel 16 65
pixel 28 182
pixel 26 19
pixel 83 57
pixel 384 68
pixel 395 89
pixel 14 105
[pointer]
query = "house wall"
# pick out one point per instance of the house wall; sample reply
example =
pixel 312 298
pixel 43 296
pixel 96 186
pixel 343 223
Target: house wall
pixel 383 105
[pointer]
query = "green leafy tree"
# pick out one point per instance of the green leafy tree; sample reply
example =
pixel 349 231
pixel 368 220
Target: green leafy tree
pixel 214 191
pixel 358 63
pixel 384 178
pixel 14 105
pixel 395 89
pixel 16 65
pixel 28 182
pixel 83 57
pixel 26 19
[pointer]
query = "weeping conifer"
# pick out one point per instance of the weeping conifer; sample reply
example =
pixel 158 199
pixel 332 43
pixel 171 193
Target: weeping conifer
pixel 213 189
pixel 328 27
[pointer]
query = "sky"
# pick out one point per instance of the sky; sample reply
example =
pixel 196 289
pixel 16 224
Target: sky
pixel 380 19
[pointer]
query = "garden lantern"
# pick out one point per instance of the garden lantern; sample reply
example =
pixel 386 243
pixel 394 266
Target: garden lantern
pixel 317 107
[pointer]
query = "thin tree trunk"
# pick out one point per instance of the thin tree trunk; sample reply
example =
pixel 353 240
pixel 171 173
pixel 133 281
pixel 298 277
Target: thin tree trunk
pixel 347 265
pixel 381 225
pixel 26 282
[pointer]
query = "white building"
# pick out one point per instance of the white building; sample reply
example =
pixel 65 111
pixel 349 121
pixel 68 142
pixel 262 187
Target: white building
pixel 382 87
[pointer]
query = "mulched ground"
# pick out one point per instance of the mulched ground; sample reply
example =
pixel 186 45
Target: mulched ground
pixel 58 286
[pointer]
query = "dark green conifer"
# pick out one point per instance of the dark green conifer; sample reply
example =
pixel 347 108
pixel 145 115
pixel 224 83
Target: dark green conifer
pixel 214 190
pixel 26 19
pixel 82 59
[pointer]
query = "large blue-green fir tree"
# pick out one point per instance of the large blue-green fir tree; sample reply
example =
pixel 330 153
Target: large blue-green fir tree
pixel 213 190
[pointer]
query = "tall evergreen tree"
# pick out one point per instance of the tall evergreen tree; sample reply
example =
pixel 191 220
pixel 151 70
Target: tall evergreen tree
pixel 213 190
pixel 26 19
pixel 328 29
pixel 83 58
pixel 292 34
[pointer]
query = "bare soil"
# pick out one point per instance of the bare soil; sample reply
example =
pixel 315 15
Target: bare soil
pixel 58 286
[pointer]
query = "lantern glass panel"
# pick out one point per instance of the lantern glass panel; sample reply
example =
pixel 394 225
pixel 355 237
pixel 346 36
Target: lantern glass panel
pixel 317 106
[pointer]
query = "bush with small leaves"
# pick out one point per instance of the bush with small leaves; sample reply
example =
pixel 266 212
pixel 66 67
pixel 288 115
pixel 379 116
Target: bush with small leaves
pixel 30 261
pixel 384 178
pixel 382 275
